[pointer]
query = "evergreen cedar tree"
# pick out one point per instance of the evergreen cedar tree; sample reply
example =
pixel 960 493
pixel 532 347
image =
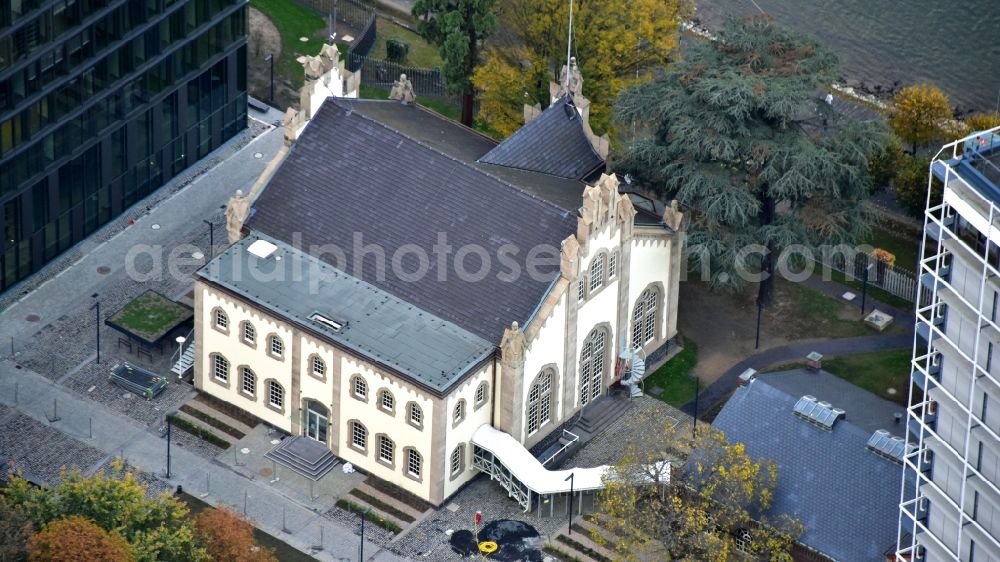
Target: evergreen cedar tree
pixel 457 27
pixel 616 43
pixel 739 134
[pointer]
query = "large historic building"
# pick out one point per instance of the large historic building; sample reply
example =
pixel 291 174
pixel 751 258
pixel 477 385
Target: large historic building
pixel 402 284
pixel 101 103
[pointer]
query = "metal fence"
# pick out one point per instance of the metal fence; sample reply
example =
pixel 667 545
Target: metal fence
pixel 892 279
pixel 359 16
pixel 380 73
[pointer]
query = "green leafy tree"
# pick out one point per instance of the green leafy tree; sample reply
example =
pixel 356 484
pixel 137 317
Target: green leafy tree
pixel 457 27
pixel 885 164
pixel 695 514
pixel 910 185
pixel 981 122
pixel 15 531
pixel 616 43
pixel 919 115
pixel 157 529
pixel 736 133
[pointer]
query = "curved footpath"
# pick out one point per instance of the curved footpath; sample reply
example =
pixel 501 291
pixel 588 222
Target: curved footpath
pixel 796 351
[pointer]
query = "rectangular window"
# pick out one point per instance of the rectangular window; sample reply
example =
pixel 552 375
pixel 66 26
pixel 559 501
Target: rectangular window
pixel 277 348
pixel 276 395
pixel 385 449
pixel 359 437
pixel 982 413
pixel 249 381
pixel 249 334
pixel 989 356
pixel 221 320
pixel 221 368
pixel 993 312
pixel 456 461
pixel 581 290
pixel 612 265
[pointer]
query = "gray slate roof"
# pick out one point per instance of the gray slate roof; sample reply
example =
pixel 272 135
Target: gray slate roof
pixel 426 349
pixel 846 496
pixel 349 177
pixel 864 409
pixel 554 143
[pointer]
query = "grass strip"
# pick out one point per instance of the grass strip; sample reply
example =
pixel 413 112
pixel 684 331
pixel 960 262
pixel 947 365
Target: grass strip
pixel 397 493
pixel 371 517
pixel 673 377
pixel 583 549
pixel 217 424
pixel 230 410
pixel 382 506
pixel 198 431
pixel 560 554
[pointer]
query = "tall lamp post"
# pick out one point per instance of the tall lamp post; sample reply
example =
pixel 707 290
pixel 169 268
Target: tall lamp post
pixel 570 478
pixel 97 307
pixel 211 235
pixel 864 287
pixel 270 58
pixel 760 309
pixel 697 391
pixel 168 445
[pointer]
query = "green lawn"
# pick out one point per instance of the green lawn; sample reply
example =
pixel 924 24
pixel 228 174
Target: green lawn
pixel 673 378
pixel 876 372
pixel 150 315
pixel 293 22
pixel 804 312
pixel 421 55
pixel 905 248
pixel 873 292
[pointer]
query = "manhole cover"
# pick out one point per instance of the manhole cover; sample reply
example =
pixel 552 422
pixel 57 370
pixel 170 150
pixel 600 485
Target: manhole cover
pixel 265 472
pixel 891 390
pixel 103 270
pixel 32 318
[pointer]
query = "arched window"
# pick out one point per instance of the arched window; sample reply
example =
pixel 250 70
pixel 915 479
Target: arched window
pixel 415 415
pixel 249 383
pixel 318 367
pixel 386 449
pixel 248 334
pixel 386 401
pixel 593 365
pixel 482 393
pixel 359 436
pixel 597 272
pixel 220 367
pixel 459 413
pixel 276 347
pixel 744 541
pixel 457 463
pixel 359 388
pixel 539 410
pixel 221 320
pixel 644 317
pixel 275 395
pixel 414 463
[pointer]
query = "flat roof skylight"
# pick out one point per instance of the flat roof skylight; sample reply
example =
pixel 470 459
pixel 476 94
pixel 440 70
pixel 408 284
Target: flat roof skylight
pixel 261 248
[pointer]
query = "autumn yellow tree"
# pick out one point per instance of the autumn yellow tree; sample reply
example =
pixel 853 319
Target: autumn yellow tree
pixel 77 539
pixel 919 115
pixel 697 512
pixel 616 43
pixel 229 538
pixel 981 122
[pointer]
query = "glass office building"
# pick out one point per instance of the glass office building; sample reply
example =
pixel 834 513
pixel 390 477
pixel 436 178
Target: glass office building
pixel 101 103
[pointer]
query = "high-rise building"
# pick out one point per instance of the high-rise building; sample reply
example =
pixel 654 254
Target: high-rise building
pixel 101 103
pixel 950 502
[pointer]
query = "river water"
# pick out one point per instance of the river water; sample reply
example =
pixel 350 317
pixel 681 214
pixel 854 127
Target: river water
pixel 952 43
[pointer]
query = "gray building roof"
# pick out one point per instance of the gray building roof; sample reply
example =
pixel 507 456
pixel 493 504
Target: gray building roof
pixel 846 496
pixel 864 409
pixel 293 285
pixel 553 143
pixel 353 180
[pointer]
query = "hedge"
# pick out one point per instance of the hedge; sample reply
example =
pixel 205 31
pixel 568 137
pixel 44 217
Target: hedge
pixel 371 517
pixel 382 506
pixel 198 431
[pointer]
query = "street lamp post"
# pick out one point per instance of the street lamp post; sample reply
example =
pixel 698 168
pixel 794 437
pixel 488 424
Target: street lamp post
pixel 97 307
pixel 760 309
pixel 361 547
pixel 270 59
pixel 168 445
pixel 697 391
pixel 211 236
pixel 864 287
pixel 570 478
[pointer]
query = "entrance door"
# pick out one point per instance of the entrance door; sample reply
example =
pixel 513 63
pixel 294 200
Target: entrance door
pixel 316 422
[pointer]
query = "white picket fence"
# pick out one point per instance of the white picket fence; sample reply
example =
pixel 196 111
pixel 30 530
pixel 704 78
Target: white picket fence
pixel 892 279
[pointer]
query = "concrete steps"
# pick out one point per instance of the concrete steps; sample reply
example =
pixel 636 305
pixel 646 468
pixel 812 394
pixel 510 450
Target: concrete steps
pixel 214 431
pixel 602 412
pixel 389 500
pixel 222 417
pixel 584 540
pixel 304 456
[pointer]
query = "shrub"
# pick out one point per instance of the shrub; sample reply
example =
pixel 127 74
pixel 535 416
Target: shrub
pixel 372 517
pixel 382 506
pixel 396 50
pixel 198 432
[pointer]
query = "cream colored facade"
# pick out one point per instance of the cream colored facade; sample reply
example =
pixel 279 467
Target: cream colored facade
pixel 311 370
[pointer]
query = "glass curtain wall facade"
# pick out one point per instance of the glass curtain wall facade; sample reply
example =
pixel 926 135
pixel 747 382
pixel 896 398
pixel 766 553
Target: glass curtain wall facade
pixel 101 103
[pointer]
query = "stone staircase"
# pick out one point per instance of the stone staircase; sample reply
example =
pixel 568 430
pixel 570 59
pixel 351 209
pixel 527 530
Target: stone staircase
pixel 304 456
pixel 600 413
pixel 194 411
pixel 367 496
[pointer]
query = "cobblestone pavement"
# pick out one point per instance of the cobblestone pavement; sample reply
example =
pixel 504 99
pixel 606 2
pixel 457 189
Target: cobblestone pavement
pixel 40 451
pixel 373 533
